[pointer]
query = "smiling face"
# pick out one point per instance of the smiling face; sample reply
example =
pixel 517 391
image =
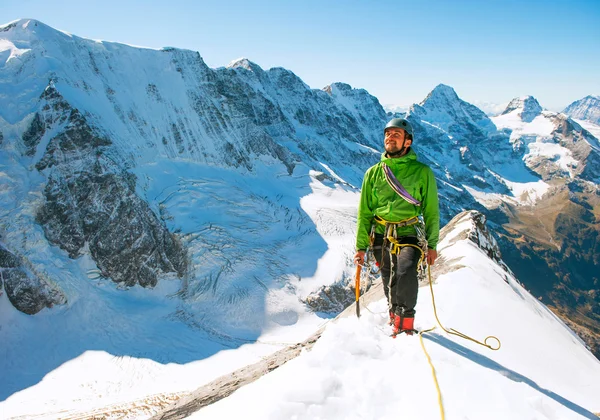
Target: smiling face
pixel 394 140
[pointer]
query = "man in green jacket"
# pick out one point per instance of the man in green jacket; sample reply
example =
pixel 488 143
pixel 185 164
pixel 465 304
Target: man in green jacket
pixel 396 245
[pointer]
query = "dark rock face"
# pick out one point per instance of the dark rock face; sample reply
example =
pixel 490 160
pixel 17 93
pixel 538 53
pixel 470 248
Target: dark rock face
pixel 26 291
pixel 125 238
pixel 34 134
pixel 89 199
pixel 331 299
pixel 479 234
pixel 484 239
pixel 7 259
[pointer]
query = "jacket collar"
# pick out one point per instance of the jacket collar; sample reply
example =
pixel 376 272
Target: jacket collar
pixel 411 155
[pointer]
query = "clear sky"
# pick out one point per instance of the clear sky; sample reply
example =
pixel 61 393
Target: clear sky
pixel 488 50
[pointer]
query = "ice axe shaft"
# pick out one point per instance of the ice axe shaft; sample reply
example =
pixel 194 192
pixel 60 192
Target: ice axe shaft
pixel 357 289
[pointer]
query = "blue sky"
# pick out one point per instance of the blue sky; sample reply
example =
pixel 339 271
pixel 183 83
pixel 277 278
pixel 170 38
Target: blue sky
pixel 488 50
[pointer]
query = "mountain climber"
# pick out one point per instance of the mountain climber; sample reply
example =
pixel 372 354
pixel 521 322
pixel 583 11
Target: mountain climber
pixel 396 192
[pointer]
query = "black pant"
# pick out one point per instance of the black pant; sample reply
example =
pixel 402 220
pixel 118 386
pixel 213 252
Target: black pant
pixel 402 288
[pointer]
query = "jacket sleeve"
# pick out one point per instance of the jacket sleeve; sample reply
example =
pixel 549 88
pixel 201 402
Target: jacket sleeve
pixel 431 210
pixel 365 213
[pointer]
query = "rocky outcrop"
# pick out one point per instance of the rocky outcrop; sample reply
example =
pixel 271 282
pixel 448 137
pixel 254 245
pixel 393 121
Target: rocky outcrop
pixel 484 239
pixel 33 135
pixel 90 200
pixel 477 232
pixel 335 298
pixel 27 291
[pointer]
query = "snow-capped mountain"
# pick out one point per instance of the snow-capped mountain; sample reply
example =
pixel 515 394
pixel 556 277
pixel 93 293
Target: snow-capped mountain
pixel 548 237
pixel 552 145
pixel 91 127
pixel 167 211
pixel 445 107
pixel 527 108
pixel 587 109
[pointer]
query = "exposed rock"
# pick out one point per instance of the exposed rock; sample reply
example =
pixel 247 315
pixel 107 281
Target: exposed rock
pixel 484 238
pixel 27 292
pixel 478 233
pixel 33 134
pixel 7 259
pixel 97 204
pixel 331 299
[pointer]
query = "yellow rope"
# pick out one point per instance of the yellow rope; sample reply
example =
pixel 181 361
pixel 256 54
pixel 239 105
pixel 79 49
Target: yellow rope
pixel 396 248
pixel 437 385
pixel 452 330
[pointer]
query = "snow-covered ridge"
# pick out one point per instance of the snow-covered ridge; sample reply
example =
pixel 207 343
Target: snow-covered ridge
pixel 343 375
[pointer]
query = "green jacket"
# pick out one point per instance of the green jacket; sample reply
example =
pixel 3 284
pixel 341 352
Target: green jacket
pixel 378 199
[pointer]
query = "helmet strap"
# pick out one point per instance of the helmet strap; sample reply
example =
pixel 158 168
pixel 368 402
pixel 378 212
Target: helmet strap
pixel 400 152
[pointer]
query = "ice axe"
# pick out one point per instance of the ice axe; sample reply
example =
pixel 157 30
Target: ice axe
pixel 357 289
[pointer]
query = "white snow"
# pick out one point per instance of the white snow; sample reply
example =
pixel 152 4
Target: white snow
pixel 528 192
pixel 594 129
pixel 488 200
pixel 553 152
pixel 9 51
pixel 523 193
pixel 537 135
pixel 540 126
pixel 114 348
pixel 356 371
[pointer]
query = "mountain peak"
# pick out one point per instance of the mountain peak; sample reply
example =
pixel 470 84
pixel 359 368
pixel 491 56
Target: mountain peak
pixel 244 63
pixel 28 25
pixel 338 87
pixel 441 92
pixel 445 109
pixel 527 108
pixel 587 108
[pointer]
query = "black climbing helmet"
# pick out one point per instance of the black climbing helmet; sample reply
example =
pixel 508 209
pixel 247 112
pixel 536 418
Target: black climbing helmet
pixel 400 123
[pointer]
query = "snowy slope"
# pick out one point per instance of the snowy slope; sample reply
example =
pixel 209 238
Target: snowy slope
pixel 356 371
pixel 111 347
pixel 241 164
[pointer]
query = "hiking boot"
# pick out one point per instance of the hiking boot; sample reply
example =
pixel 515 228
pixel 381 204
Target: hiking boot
pixel 397 325
pixel 403 325
pixel 408 326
